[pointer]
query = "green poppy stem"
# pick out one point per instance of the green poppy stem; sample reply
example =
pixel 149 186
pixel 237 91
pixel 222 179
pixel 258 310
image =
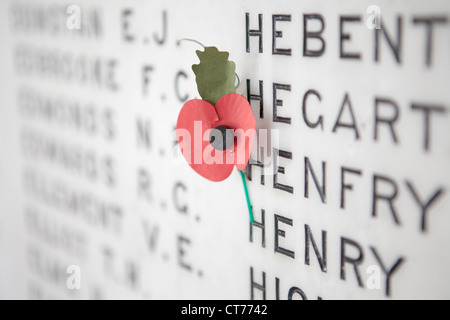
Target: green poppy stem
pixel 249 206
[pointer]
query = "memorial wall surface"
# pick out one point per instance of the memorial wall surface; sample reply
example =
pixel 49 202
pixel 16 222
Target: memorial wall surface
pixel 349 175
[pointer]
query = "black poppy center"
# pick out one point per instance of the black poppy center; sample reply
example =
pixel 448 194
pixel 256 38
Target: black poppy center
pixel 221 138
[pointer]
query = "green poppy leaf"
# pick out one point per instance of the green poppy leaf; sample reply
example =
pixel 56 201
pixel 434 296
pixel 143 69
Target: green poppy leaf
pixel 215 74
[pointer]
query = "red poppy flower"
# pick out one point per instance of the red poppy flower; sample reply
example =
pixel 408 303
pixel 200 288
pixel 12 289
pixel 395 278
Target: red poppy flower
pixel 214 139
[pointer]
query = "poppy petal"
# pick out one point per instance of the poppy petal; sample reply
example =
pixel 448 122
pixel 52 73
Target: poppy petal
pixel 196 119
pixel 235 112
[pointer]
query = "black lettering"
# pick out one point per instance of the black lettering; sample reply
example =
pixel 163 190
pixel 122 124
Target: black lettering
pixel 251 163
pixel 262 226
pixel 427 111
pixel 132 273
pixel 151 234
pixel 424 205
pixel 351 125
pixel 344 185
pixel 386 120
pixel 396 47
pixel 181 98
pixel 257 286
pixel 279 103
pixel 320 188
pixel 321 258
pixel 429 23
pixel 144 184
pixel 282 233
pixel 296 290
pixel 387 272
pixel 277 288
pixel 181 252
pixel 146 69
pixel 354 261
pixel 256 97
pixel 253 33
pixel 108 260
pixel 143 133
pixel 161 40
pixel 346 37
pixel 305 117
pixel 125 25
pixel 110 77
pixel 183 208
pixel 108 171
pixel 313 35
pixel 385 197
pixel 108 124
pixel 279 169
pixel 279 34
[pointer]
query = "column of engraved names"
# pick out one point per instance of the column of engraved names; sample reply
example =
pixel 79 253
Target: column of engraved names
pixel 69 183
pixel 384 191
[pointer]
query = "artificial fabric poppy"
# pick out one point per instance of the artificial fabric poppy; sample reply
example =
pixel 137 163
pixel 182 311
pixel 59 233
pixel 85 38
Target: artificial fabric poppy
pixel 214 139
pixel 217 133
